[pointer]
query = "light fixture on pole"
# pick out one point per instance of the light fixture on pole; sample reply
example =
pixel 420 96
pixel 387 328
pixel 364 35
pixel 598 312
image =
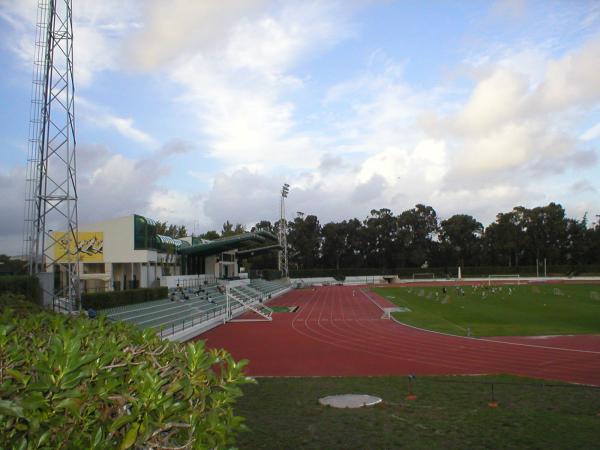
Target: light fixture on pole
pixel 283 255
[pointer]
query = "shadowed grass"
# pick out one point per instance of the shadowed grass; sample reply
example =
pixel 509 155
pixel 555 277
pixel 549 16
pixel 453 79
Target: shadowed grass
pixel 284 413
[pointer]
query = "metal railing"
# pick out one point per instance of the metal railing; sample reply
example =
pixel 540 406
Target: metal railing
pixel 186 323
pixel 205 280
pixel 63 305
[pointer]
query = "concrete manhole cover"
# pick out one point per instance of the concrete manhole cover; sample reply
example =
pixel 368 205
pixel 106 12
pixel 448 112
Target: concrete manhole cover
pixel 349 400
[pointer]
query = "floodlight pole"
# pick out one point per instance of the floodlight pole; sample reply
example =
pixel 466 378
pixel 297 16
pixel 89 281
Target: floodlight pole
pixel 283 253
pixel 51 192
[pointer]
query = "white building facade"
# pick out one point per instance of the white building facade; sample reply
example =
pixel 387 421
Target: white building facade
pixel 124 253
pixel 128 253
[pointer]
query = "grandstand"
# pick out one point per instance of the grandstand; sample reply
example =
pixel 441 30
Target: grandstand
pixel 194 306
pixel 269 288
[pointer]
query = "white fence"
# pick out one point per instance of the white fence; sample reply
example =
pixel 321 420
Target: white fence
pixel 172 281
pixel 363 279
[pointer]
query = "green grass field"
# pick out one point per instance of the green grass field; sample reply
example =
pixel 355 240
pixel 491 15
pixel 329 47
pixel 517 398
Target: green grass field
pixel 284 413
pixel 525 310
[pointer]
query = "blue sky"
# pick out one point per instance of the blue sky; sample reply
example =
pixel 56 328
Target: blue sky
pixel 197 112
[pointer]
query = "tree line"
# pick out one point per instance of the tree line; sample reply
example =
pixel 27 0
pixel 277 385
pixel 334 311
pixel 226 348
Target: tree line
pixel 418 238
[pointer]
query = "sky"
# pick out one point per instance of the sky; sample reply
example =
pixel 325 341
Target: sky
pixel 196 112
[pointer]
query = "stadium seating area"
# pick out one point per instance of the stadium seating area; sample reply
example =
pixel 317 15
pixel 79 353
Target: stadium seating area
pixel 269 288
pixel 191 306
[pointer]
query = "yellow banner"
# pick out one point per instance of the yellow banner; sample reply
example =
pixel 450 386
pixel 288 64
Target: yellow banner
pixel 90 246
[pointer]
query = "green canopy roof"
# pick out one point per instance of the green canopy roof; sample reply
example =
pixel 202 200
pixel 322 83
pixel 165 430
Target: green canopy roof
pixel 171 241
pixel 258 251
pixel 228 243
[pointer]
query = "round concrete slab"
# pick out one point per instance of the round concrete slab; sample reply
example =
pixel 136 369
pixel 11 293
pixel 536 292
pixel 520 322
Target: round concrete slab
pixel 349 400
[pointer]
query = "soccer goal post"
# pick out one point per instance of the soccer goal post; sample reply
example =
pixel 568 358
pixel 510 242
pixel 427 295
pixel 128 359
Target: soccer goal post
pixel 509 277
pixel 422 275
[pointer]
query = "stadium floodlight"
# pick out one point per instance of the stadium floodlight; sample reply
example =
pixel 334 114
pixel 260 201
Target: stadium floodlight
pixel 283 255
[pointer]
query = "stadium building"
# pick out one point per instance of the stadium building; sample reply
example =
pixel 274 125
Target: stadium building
pixel 127 253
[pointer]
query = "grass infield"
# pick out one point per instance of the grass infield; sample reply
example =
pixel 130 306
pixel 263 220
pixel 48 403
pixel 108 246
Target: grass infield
pixel 525 310
pixel 449 412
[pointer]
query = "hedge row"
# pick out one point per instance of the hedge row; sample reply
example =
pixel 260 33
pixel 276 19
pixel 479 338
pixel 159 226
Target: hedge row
pixel 407 272
pixel 24 285
pixel 110 299
pixel 73 383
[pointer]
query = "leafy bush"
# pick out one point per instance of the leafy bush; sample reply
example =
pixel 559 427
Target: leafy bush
pixel 101 300
pixel 25 285
pixel 18 304
pixel 70 382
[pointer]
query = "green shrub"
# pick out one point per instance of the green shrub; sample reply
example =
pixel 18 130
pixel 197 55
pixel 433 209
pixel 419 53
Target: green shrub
pixel 24 285
pixel 102 300
pixel 19 305
pixel 74 383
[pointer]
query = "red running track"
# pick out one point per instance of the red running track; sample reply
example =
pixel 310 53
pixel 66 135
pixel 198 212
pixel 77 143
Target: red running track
pixel 339 331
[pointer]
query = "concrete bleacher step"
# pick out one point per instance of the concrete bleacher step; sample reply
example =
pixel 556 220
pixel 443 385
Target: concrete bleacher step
pixel 145 316
pixel 190 313
pixel 210 303
pixel 167 305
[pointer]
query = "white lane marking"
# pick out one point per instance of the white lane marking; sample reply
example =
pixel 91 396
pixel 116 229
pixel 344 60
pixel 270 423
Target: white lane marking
pixel 484 339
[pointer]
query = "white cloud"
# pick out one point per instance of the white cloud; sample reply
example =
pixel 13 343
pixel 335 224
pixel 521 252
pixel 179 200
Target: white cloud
pixel 571 80
pixel 238 90
pixel 511 9
pixel 375 140
pixel 271 45
pixel 242 197
pixel 503 149
pixel 115 185
pixel 93 53
pixel 182 27
pixel 494 101
pixel 591 133
pixel 99 117
pixel 176 207
pixel 425 163
pixel 370 190
pixel 12 191
pixel 109 185
pixel 516 125
pixel 583 186
pixel 98 29
pixel 125 127
pixel 176 147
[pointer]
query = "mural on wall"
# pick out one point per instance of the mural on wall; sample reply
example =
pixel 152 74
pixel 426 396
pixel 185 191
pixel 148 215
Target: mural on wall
pixel 90 246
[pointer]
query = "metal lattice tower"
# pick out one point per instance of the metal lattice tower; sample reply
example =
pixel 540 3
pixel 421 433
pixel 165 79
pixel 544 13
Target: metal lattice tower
pixel 283 254
pixel 50 232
